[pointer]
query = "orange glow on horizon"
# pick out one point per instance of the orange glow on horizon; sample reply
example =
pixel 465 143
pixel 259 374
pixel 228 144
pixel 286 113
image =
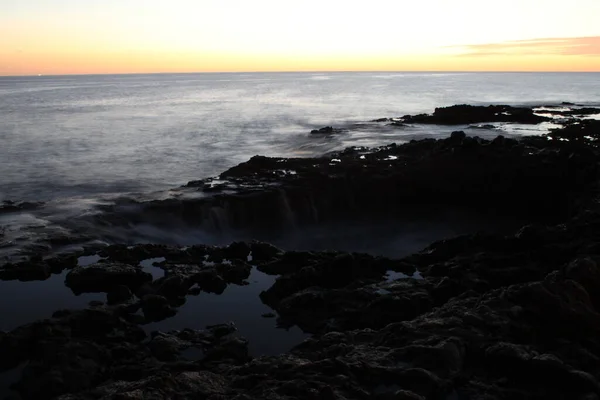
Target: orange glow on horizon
pixel 152 36
pixel 67 63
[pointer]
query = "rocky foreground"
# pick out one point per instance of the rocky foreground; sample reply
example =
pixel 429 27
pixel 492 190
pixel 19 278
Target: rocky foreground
pixel 481 316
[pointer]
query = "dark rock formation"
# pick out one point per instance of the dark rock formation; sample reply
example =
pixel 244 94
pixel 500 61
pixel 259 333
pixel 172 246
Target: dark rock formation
pixel 327 130
pixel 33 270
pixel 530 335
pixel 572 112
pixel 533 178
pixel 77 351
pixel 10 206
pixel 485 316
pixel 105 277
pixel 156 307
pixel 483 126
pixel 119 294
pixel 467 114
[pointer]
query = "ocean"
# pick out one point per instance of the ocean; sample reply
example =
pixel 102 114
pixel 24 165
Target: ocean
pixel 81 143
pixel 67 138
pixel 76 142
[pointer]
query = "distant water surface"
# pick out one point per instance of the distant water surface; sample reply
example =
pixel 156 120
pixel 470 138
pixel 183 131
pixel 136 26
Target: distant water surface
pixel 83 136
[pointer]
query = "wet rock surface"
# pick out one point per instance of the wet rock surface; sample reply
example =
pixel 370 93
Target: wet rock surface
pixel 488 317
pixel 479 316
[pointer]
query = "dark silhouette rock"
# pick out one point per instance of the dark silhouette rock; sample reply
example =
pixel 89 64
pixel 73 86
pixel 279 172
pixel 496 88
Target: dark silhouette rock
pixel 26 271
pixel 156 308
pixel 10 206
pixel 467 114
pixel 105 277
pixel 119 294
pixel 327 130
pixel 398 124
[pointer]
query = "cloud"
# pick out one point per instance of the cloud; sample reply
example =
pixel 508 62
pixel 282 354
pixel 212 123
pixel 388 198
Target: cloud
pixel 579 46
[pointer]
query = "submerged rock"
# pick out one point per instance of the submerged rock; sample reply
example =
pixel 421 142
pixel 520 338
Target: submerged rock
pixel 105 277
pixel 327 130
pixel 156 308
pixel 528 179
pixel 119 294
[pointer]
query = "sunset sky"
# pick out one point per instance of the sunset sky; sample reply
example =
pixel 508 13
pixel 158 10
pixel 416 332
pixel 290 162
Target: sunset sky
pixel 131 36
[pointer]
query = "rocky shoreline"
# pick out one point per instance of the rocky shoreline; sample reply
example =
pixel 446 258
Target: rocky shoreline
pixel 480 316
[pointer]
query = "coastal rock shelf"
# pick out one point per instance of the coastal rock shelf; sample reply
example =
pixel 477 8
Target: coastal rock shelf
pixel 534 178
pixel 504 315
pixel 267 197
pixel 467 114
pixel 490 315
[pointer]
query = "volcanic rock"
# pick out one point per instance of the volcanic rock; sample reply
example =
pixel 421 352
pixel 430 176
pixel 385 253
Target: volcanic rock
pixel 466 114
pixel 105 277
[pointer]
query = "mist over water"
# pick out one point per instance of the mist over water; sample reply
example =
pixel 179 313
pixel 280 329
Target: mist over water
pixel 84 136
pixel 84 144
pixel 80 143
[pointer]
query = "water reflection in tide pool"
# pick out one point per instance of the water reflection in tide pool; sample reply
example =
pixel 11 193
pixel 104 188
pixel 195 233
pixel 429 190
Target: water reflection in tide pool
pixel 242 305
pixel 25 302
pixel 148 266
pixel 9 378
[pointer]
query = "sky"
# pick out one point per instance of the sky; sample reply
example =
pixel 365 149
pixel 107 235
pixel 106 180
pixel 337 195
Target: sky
pixel 147 36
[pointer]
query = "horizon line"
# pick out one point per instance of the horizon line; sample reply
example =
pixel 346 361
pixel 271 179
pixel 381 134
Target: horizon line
pixel 298 72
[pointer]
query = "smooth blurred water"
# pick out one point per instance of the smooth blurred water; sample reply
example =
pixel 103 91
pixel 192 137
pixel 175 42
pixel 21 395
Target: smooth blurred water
pixel 83 136
pixel 80 141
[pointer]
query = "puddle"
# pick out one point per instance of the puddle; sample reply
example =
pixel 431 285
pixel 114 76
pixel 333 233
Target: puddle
pixel 393 276
pixel 25 302
pixel 193 354
pixel 242 306
pixel 84 261
pixel 148 267
pixel 7 379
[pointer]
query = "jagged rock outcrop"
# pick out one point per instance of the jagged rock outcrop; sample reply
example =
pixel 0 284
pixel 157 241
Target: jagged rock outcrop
pixel 468 114
pixel 491 316
pixel 537 178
